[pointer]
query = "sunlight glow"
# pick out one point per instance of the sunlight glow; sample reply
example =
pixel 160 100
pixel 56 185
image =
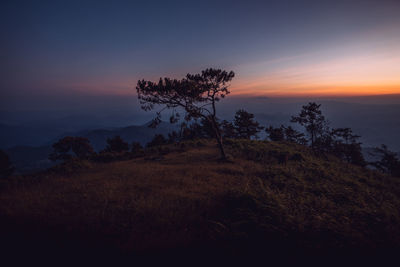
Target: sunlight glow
pixel 358 69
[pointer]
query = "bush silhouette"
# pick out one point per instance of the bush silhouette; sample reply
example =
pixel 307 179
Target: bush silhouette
pixel 288 134
pixel 137 149
pixel 191 131
pixel 228 129
pixel 346 146
pixel 158 140
pixel 275 134
pixel 70 147
pixel 116 149
pixel 388 163
pixel 116 144
pixel 291 135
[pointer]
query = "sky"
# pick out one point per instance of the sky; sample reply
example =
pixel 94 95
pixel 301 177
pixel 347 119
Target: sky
pixel 54 52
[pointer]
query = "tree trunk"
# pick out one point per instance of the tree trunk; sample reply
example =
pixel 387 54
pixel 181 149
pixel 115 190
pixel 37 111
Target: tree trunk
pixel 218 137
pixel 221 147
pixel 312 140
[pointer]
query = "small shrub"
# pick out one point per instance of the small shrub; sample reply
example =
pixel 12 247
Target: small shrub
pixel 116 144
pixel 137 149
pixel 71 147
pixel 158 140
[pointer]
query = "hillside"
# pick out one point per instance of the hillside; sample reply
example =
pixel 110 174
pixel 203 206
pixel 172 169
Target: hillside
pixel 270 198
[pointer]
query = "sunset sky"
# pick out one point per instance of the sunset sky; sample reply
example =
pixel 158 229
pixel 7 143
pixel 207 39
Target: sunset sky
pixel 276 48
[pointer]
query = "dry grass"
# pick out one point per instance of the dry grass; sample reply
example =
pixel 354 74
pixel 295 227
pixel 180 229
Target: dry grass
pixel 188 199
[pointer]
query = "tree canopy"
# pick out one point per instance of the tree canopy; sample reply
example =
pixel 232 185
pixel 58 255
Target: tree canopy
pixel 245 125
pixel 196 95
pixel 70 147
pixel 311 118
pixel 388 162
pixel 116 144
pixel 284 133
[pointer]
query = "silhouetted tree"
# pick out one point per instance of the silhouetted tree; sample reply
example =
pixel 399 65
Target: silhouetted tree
pixel 291 135
pixel 354 154
pixel 70 147
pixel 344 135
pixel 324 142
pixel 158 140
pixel 6 168
pixel 276 134
pixel 116 144
pixel 228 129
pixel 284 133
pixel 345 145
pixel 196 94
pixel 388 162
pixel 313 121
pixel 137 148
pixel 207 128
pixel 245 125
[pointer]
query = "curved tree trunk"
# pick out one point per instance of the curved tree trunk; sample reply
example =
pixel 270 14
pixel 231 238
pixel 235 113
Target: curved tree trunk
pixel 218 137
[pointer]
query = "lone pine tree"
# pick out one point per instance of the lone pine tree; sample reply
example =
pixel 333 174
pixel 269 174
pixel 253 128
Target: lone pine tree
pixel 196 94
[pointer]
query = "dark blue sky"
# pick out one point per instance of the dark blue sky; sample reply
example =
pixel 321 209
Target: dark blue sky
pixel 52 51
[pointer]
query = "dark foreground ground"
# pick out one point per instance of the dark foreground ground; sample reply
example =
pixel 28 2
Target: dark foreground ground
pixel 181 204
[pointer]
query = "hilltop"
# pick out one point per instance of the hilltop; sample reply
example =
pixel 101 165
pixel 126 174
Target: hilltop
pixel 269 197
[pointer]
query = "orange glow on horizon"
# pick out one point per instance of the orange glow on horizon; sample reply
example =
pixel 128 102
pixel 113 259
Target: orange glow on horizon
pixel 308 75
pixel 344 74
pixel 322 91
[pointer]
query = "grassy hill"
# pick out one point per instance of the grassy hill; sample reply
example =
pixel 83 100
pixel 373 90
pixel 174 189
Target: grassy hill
pixel 269 198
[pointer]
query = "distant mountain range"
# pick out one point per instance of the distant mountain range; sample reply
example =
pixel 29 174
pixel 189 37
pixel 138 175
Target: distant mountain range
pixel 142 134
pixel 376 123
pixel 30 158
pixel 40 132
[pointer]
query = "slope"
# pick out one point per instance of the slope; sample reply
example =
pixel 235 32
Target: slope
pixel 270 197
